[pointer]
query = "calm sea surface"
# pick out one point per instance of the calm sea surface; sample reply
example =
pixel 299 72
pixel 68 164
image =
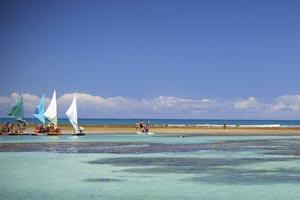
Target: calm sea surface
pixel 149 167
pixel 168 121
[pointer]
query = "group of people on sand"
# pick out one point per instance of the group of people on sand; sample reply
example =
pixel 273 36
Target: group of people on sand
pixel 10 128
pixel 19 127
pixel 143 127
pixel 49 128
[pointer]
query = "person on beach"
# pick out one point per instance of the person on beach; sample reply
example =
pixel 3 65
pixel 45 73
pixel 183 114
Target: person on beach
pixel 46 129
pixel 145 129
pixel 11 128
pixel 38 128
pixel 81 129
pixel 141 125
pixel 5 129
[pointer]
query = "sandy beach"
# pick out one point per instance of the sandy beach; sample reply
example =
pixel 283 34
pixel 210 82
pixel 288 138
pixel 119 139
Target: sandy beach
pixel 184 130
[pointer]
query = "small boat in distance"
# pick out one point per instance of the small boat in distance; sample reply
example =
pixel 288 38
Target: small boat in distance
pixel 51 115
pixel 72 116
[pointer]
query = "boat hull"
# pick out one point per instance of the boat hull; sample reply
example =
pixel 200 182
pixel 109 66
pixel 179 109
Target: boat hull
pixel 78 134
pixel 53 134
pixel 17 134
pixel 145 133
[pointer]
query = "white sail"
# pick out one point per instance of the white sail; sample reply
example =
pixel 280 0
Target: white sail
pixel 72 114
pixel 51 112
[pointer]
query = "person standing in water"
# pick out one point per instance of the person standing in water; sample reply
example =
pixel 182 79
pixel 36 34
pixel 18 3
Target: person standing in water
pixel 141 125
pixel 137 126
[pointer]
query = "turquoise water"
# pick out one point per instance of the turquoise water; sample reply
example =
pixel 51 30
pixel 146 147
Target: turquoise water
pixel 156 167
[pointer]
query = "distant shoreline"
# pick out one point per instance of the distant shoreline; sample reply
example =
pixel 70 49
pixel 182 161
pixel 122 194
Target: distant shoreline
pixel 183 130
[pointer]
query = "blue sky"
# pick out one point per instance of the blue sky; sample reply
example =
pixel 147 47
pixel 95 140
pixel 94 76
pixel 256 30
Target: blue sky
pixel 227 51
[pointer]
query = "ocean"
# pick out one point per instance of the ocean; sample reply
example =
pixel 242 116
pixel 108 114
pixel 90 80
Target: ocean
pixel 173 122
pixel 113 167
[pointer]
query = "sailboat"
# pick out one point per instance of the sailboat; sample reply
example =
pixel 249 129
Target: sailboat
pixel 39 114
pixel 51 115
pixel 72 116
pixel 17 113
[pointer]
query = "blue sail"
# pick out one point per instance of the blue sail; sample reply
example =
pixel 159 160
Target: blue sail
pixel 40 109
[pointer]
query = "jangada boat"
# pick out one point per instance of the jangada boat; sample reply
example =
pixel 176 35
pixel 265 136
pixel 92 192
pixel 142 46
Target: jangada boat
pixel 51 115
pixel 72 116
pixel 39 114
pixel 16 113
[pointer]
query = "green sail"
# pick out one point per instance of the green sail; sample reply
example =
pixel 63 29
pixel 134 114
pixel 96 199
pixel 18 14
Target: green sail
pixel 17 111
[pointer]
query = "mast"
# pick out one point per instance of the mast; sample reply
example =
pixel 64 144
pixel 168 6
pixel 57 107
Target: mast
pixel 51 112
pixel 72 114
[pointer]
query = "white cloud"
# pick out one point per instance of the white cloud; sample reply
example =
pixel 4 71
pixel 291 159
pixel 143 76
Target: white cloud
pixel 286 103
pixel 83 98
pixel 96 106
pixel 5 103
pixel 285 106
pixel 162 102
pixel 250 103
pixel 30 102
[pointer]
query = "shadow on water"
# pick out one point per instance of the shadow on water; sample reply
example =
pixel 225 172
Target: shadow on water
pixel 181 161
pixel 248 177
